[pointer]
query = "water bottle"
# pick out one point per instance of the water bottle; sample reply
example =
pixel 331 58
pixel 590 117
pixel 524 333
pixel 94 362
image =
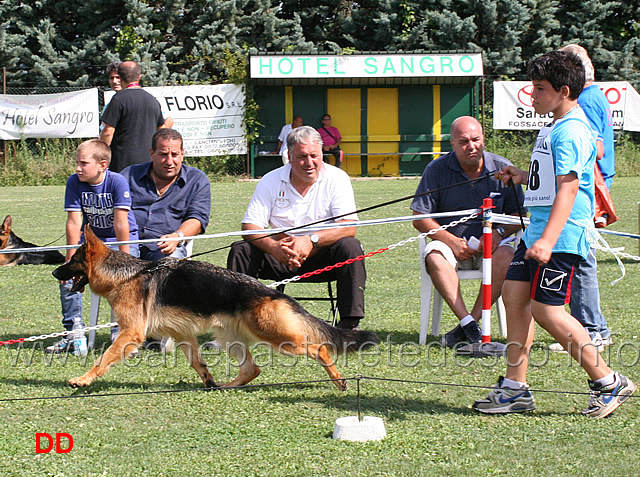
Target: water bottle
pixel 79 338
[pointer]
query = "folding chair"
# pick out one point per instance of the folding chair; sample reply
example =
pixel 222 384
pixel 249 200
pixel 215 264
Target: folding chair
pixel 427 290
pixel 333 314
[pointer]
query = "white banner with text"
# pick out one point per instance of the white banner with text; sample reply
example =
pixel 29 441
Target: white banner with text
pixel 58 115
pixel 209 117
pixel 512 107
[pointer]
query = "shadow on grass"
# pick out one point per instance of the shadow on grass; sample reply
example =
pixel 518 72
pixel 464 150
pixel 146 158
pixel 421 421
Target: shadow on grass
pixel 392 408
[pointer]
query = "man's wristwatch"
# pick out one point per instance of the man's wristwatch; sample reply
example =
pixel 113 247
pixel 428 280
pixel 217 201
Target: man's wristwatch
pixel 314 240
pixel 181 235
pixel 500 230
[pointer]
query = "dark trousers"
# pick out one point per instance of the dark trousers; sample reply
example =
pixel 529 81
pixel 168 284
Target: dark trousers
pixel 246 258
pixel 335 153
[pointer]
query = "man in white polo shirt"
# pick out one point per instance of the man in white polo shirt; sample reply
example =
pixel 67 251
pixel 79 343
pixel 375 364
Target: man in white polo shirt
pixel 304 191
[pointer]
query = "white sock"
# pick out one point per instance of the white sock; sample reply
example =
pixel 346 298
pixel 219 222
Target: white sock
pixel 511 384
pixel 466 320
pixel 608 380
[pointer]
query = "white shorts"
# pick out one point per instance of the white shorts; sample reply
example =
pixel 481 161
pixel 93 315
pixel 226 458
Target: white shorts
pixel 473 263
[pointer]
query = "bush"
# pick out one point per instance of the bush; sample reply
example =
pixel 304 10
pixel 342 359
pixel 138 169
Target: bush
pixel 39 162
pixel 52 161
pixel 34 162
pixel 517 145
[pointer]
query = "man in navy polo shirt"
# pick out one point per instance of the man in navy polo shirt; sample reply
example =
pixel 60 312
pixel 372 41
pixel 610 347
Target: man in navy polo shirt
pixel 450 248
pixel 169 199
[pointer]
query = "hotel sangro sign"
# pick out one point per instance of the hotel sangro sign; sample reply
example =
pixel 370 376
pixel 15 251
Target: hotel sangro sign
pixel 365 66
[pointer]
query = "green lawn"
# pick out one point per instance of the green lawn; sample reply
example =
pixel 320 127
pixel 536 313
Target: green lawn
pixel 135 422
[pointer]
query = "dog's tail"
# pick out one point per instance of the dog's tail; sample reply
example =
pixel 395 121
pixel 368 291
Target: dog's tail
pixel 340 340
pixel 349 341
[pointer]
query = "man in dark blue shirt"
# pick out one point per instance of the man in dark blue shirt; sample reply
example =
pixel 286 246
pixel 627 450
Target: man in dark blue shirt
pixel 450 248
pixel 169 199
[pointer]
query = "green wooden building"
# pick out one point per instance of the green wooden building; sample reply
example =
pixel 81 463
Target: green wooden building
pixel 393 110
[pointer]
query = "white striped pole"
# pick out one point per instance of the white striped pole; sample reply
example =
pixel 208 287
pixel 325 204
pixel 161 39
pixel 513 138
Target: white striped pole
pixel 487 247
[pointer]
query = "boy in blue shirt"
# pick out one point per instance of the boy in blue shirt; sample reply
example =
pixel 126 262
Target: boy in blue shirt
pixel 561 202
pixel 100 198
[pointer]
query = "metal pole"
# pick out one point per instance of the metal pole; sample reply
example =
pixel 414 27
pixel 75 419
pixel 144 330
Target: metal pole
pixel 487 246
pixel 484 126
pixel 4 91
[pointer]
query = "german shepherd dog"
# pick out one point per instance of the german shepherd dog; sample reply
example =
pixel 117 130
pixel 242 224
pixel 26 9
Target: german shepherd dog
pixel 9 240
pixel 183 298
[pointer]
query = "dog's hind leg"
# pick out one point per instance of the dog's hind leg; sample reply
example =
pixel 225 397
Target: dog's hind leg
pixel 248 370
pixel 127 341
pixel 190 348
pixel 320 353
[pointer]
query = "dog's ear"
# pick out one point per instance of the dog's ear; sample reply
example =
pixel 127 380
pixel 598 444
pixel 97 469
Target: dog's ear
pixel 89 236
pixel 6 225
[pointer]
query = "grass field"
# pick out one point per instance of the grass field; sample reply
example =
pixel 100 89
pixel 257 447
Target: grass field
pixel 147 416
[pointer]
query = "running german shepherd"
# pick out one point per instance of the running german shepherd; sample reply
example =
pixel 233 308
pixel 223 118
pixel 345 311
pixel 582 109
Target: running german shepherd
pixel 183 298
pixel 9 240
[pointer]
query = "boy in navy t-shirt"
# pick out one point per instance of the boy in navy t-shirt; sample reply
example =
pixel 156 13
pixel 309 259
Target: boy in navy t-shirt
pixel 100 198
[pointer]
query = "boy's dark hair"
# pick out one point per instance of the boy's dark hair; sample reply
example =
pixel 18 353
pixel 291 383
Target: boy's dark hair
pixel 560 68
pixel 166 134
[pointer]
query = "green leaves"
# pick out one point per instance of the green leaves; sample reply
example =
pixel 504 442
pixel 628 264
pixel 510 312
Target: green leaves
pixel 54 43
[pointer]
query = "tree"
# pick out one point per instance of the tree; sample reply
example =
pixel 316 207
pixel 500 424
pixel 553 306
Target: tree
pixel 55 42
pixel 66 43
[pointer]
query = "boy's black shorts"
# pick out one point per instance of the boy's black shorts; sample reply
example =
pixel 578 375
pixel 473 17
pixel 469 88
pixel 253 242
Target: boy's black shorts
pixel 551 282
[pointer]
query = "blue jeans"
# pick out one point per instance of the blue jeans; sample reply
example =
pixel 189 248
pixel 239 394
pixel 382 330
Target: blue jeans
pixel 71 305
pixel 585 297
pixel 153 254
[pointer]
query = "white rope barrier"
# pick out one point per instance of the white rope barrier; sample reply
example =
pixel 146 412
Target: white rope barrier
pixel 597 242
pixel 240 233
pixel 66 333
pixel 475 213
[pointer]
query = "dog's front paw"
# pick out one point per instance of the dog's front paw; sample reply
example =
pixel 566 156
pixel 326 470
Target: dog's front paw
pixel 79 382
pixel 341 384
pixel 211 384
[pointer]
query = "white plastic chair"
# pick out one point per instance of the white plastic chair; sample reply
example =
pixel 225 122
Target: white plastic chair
pixel 167 343
pixel 427 290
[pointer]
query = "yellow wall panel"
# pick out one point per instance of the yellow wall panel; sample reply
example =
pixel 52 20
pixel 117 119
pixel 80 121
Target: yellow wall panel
pixel 288 104
pixel 383 131
pixel 344 106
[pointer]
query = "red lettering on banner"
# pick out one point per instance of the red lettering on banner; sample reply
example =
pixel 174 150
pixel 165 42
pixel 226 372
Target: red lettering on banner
pixel 617 93
pixel 524 95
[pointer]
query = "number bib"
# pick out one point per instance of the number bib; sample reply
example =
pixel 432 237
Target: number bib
pixel 541 189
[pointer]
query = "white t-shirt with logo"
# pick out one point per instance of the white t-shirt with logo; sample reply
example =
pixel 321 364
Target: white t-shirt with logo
pixel 278 204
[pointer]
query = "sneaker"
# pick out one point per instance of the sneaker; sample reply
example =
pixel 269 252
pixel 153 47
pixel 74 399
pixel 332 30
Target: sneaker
pixel 504 400
pixel 212 345
pixel 349 323
pixel 152 345
pixel 454 337
pixel 472 332
pixel 601 221
pixel 557 348
pixel 598 342
pixel 63 346
pixel 605 399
